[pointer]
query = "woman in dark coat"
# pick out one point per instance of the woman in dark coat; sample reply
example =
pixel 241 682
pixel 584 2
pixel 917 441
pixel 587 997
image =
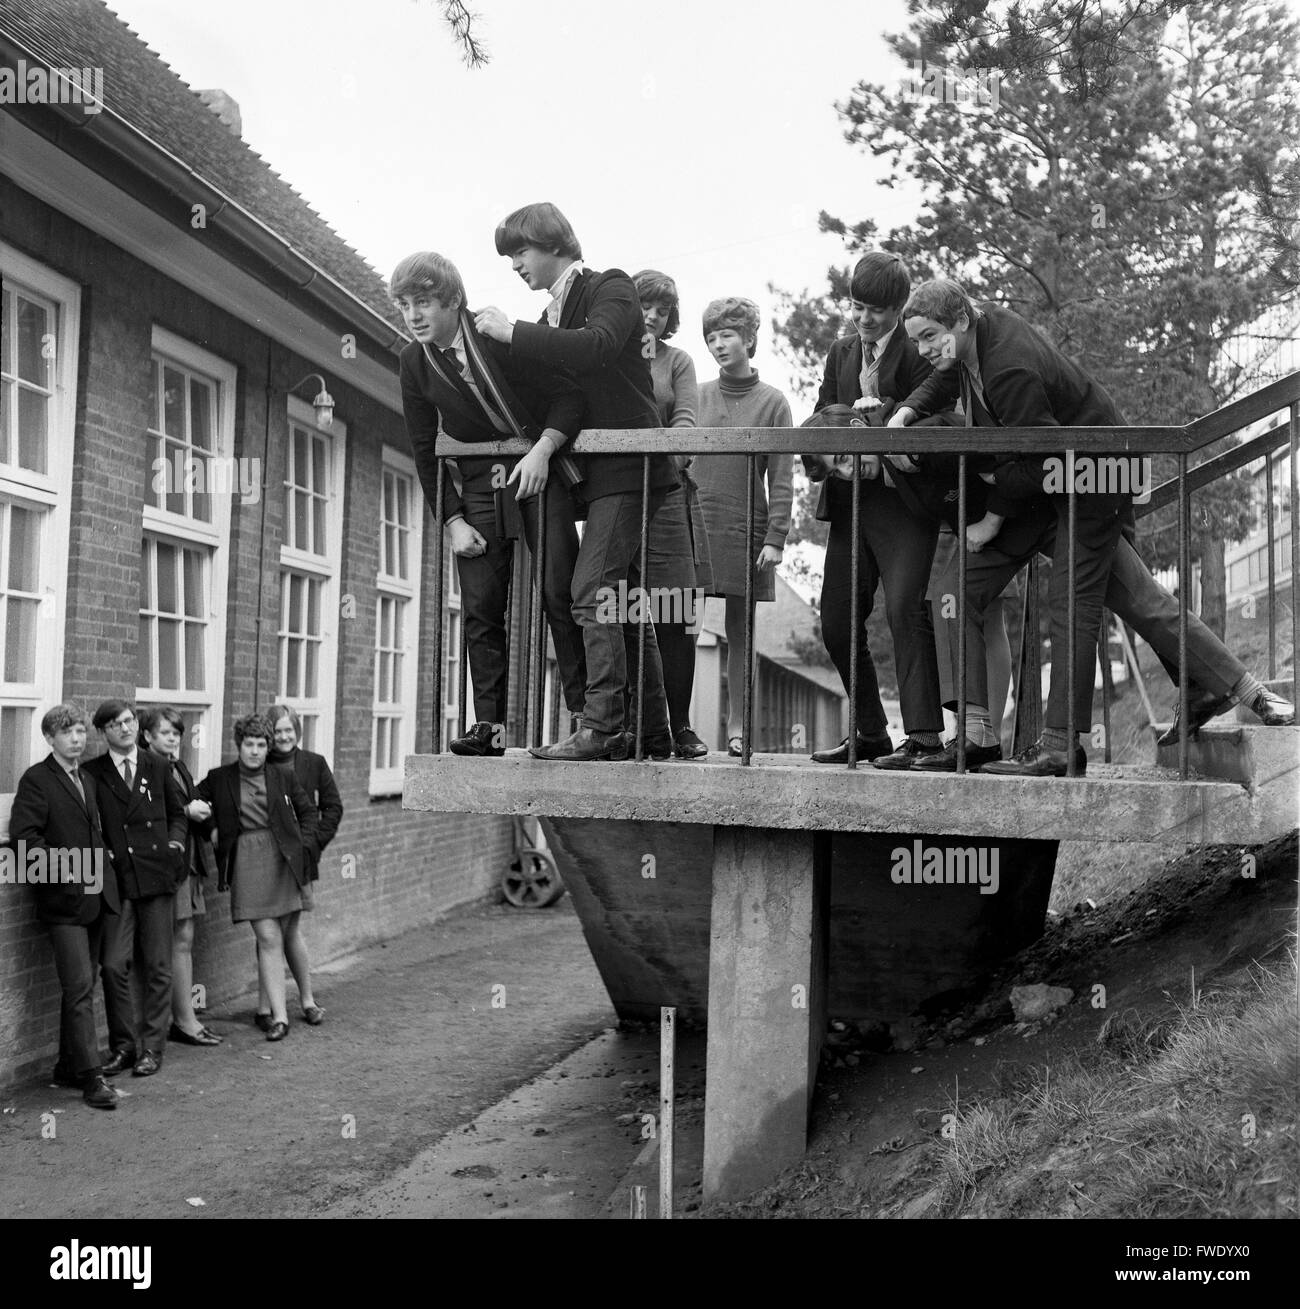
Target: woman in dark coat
pixel 314 776
pixel 161 730
pixel 265 822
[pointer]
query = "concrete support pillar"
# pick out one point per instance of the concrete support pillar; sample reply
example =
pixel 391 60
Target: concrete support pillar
pixel 767 1002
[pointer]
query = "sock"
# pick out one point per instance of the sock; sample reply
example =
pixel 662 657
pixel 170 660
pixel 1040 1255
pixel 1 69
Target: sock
pixel 1248 685
pixel 979 726
pixel 925 738
pixel 1054 738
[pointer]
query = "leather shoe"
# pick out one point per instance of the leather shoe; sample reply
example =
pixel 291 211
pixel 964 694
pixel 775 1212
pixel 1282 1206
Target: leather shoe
pixel 658 746
pixel 906 755
pixel 1201 707
pixel 869 748
pixel 64 1076
pixel 1036 761
pixel 277 1031
pixel 121 1060
pixel 313 1016
pixel 481 739
pixel 585 745
pixel 97 1093
pixel 946 760
pixel 147 1064
pixel 687 745
pixel 262 1022
pixel 1270 709
pixel 201 1037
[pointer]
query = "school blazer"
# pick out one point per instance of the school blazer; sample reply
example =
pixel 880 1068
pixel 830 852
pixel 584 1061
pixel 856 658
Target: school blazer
pixel 314 776
pixel 291 817
pixel 902 372
pixel 1027 382
pixel 140 824
pixel 545 398
pixel 49 814
pixel 199 858
pixel 601 342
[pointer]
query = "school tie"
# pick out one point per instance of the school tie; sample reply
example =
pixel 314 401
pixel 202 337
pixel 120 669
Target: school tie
pixel 127 776
pixel 453 362
pixel 76 781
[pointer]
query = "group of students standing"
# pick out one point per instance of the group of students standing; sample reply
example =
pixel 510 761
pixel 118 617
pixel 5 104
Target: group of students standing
pixel 924 356
pixel 153 838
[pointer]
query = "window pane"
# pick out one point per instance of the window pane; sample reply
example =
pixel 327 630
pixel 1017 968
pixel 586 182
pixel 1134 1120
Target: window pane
pixel 157 469
pixel 201 499
pixel 314 589
pixel 318 525
pixel 319 484
pixel 293 667
pixel 298 463
pixel 144 652
pixel 383 675
pixel 179 474
pixel 155 417
pixel 200 414
pixel 33 429
pixel 146 580
pixel 309 730
pixel 167 580
pixel 169 654
pixel 33 324
pixel 194 657
pixel 6 331
pixel 20 639
pixel 15 747
pixel 24 542
pixel 194 607
pixel 6 403
pixel 173 402
pixel 298 534
pixel 309 675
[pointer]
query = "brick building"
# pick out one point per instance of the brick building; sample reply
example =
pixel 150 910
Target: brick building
pixel 176 524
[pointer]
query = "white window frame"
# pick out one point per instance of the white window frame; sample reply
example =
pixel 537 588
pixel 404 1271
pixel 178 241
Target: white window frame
pixel 213 539
pixel 451 653
pixel 327 568
pixel 388 781
pixel 51 492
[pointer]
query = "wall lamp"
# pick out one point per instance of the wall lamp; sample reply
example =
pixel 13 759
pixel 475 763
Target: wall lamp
pixel 323 403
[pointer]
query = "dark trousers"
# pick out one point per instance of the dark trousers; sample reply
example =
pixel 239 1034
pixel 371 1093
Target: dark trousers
pixel 485 590
pixel 610 553
pixel 895 547
pixel 76 951
pixel 146 923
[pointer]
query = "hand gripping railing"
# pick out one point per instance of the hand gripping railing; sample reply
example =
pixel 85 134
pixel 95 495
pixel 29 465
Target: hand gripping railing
pixel 1181 441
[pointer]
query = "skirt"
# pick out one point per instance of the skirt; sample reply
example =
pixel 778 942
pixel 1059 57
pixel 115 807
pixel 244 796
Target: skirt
pixel 189 902
pixel 263 885
pixel 677 549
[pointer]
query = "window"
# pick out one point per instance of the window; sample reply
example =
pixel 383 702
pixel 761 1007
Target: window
pixel 309 573
pixel 39 335
pixel 397 607
pixel 194 481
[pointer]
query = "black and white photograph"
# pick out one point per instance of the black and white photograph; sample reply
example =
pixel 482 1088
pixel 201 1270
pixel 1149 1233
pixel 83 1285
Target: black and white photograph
pixel 712 588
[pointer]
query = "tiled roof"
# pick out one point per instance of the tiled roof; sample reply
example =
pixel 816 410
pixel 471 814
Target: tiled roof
pixel 142 89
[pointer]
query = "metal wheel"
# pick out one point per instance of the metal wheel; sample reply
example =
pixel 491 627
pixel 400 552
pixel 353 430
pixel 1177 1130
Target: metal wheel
pixel 532 881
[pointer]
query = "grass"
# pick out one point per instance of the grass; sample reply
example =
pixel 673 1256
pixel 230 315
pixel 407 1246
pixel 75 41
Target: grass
pixel 1189 1116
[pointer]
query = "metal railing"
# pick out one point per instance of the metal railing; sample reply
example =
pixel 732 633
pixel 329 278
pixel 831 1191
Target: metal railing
pixel 1181 441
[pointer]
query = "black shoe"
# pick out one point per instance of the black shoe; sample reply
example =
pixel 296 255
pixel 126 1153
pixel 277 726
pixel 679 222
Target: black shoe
pixel 121 1060
pixel 277 1031
pixel 1270 709
pixel 906 755
pixel 946 760
pixel 869 748
pixel 262 1022
pixel 586 744
pixel 686 745
pixel 313 1016
pixel 147 1064
pixel 64 1076
pixel 1201 707
pixel 657 747
pixel 481 739
pixel 1035 761
pixel 201 1037
pixel 97 1093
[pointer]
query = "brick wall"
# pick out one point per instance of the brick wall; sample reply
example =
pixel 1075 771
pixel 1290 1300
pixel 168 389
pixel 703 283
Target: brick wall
pixel 407 868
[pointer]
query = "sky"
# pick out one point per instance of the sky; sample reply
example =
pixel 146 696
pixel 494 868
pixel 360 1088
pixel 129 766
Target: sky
pixel 697 138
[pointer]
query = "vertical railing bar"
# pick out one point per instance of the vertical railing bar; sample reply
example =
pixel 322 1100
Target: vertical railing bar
pixel 1293 450
pixel 1107 690
pixel 962 474
pixel 747 689
pixel 462 691
pixel 510 629
pixel 667 1098
pixel 1071 614
pixel 644 608
pixel 1272 568
pixel 524 662
pixel 439 563
pixel 537 707
pixel 1184 599
pixel 855 610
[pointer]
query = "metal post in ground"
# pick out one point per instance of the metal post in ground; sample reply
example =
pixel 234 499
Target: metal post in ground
pixel 667 1094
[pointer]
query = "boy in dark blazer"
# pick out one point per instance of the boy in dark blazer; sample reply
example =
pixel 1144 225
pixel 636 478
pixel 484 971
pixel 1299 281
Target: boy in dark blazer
pixel 451 377
pixel 143 817
pixel 593 329
pixel 875 368
pixel 55 809
pixel 1009 375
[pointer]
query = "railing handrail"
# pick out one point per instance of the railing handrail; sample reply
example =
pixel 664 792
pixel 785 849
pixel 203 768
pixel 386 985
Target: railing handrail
pixel 1212 469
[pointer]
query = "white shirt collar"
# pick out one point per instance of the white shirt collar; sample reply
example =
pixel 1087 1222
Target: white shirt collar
pixel 565 280
pixel 882 344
